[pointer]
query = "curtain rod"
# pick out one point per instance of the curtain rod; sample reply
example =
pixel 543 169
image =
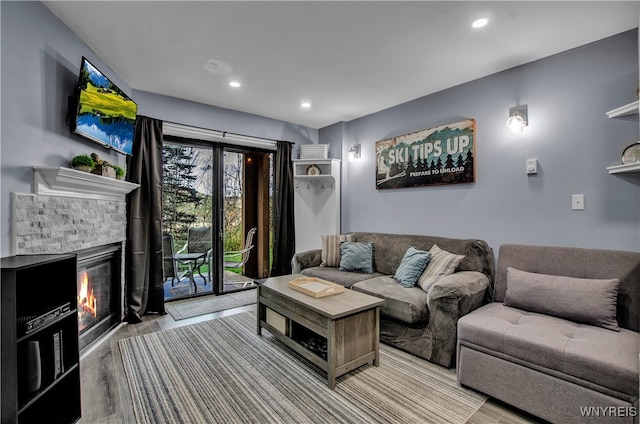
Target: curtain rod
pixel 187 131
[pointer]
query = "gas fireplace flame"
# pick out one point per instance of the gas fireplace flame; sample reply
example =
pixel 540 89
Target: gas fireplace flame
pixel 86 301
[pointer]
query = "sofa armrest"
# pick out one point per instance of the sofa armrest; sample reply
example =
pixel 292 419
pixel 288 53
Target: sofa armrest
pixel 466 287
pixel 306 259
pixel 448 299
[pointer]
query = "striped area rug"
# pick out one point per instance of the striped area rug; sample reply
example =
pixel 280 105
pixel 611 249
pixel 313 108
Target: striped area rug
pixel 220 371
pixel 188 308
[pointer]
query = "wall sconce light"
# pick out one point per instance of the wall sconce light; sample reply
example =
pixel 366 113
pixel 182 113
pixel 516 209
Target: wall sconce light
pixel 353 153
pixel 518 118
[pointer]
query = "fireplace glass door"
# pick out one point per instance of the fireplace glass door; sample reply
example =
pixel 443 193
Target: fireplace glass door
pixel 98 292
pixel 94 284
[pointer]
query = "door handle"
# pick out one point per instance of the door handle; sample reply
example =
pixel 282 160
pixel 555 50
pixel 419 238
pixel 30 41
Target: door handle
pixel 221 227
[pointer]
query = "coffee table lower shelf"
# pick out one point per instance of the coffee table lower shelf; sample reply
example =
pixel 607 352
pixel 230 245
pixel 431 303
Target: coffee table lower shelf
pixel 352 339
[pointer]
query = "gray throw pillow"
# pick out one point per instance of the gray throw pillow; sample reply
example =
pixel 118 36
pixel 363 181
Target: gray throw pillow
pixel 356 257
pixel 411 267
pixel 583 300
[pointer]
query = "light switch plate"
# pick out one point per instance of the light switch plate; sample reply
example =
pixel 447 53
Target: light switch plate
pixel 577 202
pixel 532 166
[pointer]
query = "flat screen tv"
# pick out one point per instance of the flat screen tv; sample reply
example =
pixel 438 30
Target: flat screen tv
pixel 103 112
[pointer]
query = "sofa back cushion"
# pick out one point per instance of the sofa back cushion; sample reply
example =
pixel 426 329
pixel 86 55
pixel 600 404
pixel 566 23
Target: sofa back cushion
pixel 578 263
pixel 586 300
pixel 390 248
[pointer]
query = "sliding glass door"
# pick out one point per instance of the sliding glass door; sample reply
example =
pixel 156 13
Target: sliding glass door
pixel 216 217
pixel 188 199
pixel 246 213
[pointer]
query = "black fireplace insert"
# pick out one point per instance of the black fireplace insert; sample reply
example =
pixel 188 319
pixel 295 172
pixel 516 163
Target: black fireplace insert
pixel 99 292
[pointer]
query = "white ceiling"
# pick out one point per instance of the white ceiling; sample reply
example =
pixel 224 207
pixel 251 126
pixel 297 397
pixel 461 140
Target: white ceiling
pixel 348 59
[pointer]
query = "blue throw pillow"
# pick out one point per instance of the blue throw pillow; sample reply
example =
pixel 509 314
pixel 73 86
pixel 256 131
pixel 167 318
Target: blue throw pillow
pixel 413 264
pixel 356 257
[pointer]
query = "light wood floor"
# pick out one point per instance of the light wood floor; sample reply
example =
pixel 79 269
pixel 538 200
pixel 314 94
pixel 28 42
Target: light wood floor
pixel 105 398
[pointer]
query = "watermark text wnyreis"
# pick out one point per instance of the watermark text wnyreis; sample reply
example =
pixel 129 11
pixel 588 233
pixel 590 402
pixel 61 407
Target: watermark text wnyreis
pixel 608 411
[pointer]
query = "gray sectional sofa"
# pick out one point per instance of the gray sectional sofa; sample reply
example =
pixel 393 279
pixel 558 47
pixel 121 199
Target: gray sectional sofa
pixel 548 344
pixel 419 322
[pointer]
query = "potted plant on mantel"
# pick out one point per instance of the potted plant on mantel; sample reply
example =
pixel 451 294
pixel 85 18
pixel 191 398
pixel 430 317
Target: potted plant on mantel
pixel 95 165
pixel 83 163
pixel 119 172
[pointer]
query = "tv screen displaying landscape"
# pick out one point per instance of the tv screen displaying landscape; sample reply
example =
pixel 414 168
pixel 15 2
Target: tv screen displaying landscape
pixel 105 114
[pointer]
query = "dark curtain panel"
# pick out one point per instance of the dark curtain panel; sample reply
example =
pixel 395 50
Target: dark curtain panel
pixel 283 220
pixel 144 291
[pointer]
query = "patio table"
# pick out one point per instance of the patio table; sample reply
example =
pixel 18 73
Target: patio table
pixel 191 259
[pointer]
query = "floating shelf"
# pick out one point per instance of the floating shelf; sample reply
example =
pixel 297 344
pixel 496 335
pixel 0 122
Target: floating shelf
pixel 60 181
pixel 621 169
pixel 626 110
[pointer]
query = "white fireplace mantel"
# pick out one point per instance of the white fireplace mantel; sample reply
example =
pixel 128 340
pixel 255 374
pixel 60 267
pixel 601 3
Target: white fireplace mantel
pixel 61 181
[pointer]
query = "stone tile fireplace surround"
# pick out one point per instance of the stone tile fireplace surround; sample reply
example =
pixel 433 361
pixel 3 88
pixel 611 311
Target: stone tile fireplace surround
pixel 71 211
pixel 55 224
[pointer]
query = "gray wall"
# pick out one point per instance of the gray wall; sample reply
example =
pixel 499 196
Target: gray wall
pixel 40 64
pixel 569 134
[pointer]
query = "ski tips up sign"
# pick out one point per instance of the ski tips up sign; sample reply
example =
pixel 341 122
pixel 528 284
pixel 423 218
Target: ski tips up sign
pixel 441 155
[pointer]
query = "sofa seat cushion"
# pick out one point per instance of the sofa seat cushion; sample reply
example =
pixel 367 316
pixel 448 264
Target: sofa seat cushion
pixel 596 355
pixel 344 278
pixel 404 304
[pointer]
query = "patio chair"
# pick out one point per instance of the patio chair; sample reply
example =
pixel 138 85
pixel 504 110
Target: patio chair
pixel 199 241
pixel 237 258
pixel 169 264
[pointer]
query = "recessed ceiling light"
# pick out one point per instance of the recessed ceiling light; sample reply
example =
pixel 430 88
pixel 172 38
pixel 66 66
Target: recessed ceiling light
pixel 305 105
pixel 479 23
pixel 234 84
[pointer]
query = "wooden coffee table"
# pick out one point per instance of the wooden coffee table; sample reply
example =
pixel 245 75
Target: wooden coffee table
pixel 348 322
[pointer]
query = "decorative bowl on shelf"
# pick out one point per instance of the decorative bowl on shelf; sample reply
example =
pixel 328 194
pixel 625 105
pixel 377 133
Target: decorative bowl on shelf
pixel 313 170
pixel 631 154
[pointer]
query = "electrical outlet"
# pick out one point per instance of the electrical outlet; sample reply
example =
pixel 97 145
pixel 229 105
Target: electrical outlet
pixel 577 202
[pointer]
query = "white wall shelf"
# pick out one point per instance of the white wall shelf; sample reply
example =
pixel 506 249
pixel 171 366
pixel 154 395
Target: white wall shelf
pixel 314 177
pixel 621 169
pixel 316 201
pixel 326 167
pixel 626 110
